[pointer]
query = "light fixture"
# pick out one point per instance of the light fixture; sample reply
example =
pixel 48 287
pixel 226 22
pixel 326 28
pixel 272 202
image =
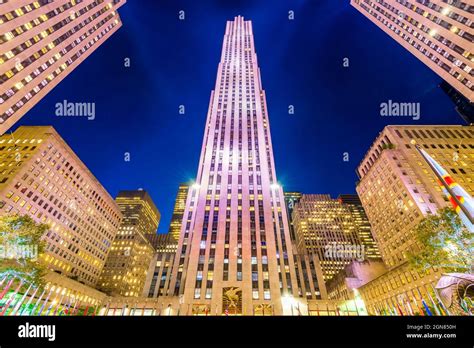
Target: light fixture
pixel 274 186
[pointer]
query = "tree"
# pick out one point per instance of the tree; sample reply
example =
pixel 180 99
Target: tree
pixel 445 243
pixel 21 245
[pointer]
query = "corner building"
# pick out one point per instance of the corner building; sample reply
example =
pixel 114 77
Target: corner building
pixel 126 267
pixel 234 254
pixel 41 176
pixel 42 42
pixel 398 189
pixel 437 32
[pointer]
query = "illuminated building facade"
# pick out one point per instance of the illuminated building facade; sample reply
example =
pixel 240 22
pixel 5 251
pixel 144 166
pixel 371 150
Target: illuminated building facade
pixel 234 254
pixel 178 211
pixel 437 32
pixel 127 265
pixel 309 278
pixel 40 176
pixel 397 189
pixel 329 230
pixel 361 224
pixel 42 42
pixel 159 273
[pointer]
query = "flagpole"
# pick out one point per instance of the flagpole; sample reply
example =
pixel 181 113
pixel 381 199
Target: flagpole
pixel 59 304
pixel 7 305
pixel 439 300
pixel 76 307
pixel 133 309
pixel 69 303
pixel 29 302
pixel 37 302
pixel 423 302
pixel 2 295
pixel 51 306
pixel 44 303
pixel 18 305
pixel 446 186
pixel 3 280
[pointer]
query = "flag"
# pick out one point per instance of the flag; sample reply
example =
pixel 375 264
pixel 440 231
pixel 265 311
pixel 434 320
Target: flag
pixel 399 309
pixel 460 199
pixel 66 311
pixel 426 307
pixel 444 308
pixel 434 304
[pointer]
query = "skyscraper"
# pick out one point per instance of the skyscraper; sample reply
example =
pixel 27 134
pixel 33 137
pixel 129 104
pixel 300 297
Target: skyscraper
pixel 178 211
pixel 398 189
pixel 127 264
pixel 159 272
pixel 41 176
pixel 361 224
pixel 42 42
pixel 437 32
pixel 234 254
pixel 464 108
pixel 291 198
pixel 330 230
pixel 309 276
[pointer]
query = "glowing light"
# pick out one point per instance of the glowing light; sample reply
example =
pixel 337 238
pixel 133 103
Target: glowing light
pixel 274 186
pixel 446 11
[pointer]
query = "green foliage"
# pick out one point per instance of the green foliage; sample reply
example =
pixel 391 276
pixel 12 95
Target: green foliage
pixel 22 233
pixel 446 243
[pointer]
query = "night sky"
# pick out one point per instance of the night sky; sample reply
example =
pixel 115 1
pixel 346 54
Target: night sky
pixel 175 62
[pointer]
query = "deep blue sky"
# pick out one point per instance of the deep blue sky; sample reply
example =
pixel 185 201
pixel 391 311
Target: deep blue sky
pixel 174 62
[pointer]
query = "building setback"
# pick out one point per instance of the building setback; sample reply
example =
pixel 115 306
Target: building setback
pixel 398 189
pixel 40 176
pixel 437 32
pixel 234 252
pixel 127 264
pixel 42 42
